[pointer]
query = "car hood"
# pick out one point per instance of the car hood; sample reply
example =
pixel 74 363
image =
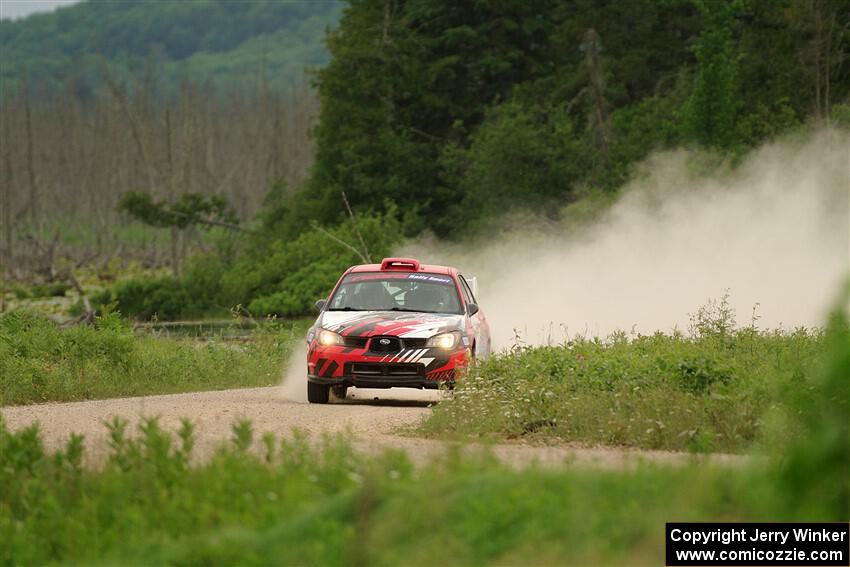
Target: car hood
pixel 393 323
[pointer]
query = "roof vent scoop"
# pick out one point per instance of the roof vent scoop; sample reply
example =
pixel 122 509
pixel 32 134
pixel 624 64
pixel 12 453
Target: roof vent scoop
pixel 402 264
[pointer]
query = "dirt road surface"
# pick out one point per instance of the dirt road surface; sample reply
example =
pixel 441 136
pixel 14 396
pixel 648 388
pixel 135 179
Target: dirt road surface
pixel 378 419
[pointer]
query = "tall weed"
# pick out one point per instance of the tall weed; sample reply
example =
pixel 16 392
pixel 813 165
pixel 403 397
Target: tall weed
pixel 710 390
pixel 40 361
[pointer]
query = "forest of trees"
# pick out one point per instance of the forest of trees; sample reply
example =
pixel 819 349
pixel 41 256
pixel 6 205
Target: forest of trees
pixel 105 97
pixel 208 41
pixel 454 110
pixel 432 115
pixel 66 163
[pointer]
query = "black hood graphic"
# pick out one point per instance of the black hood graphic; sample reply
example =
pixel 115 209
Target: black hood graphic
pixel 393 323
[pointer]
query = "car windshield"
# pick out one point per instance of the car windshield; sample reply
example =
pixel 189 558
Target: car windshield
pixel 381 291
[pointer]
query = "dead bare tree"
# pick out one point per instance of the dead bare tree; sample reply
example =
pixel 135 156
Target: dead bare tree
pixel 599 106
pixel 342 242
pixel 356 229
pixel 8 233
pixel 79 153
pixel 33 204
pixel 362 253
pixel 827 25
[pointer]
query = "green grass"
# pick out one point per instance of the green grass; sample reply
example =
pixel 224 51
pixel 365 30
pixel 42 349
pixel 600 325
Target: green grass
pixel 40 362
pixel 74 233
pixel 715 389
pixel 327 505
pixel 289 501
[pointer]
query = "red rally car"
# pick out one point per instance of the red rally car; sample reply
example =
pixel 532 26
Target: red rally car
pixel 394 324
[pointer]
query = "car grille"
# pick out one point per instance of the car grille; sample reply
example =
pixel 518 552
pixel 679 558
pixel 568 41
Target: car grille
pixel 355 342
pixel 375 369
pixel 360 342
pixel 391 344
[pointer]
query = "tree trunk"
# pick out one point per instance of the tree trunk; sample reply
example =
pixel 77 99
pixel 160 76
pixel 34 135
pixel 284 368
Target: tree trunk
pixel 599 113
pixel 175 251
pixel 8 246
pixel 33 185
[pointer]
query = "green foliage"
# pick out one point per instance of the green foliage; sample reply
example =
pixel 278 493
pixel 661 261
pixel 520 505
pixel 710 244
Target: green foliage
pixel 275 500
pixel 714 389
pixel 190 209
pixel 841 115
pixel 295 274
pixel 818 465
pixel 54 289
pixel 652 124
pixel 212 41
pixel 520 157
pixel 712 108
pixel 447 109
pixel 273 277
pixel 390 105
pixel 41 362
pixel 164 298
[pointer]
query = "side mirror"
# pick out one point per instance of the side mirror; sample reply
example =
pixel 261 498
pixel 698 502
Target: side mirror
pixel 320 304
pixel 471 308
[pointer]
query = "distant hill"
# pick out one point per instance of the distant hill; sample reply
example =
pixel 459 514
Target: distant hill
pixel 224 42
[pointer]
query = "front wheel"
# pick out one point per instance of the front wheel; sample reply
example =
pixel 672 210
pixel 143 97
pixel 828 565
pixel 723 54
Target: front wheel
pixel 318 393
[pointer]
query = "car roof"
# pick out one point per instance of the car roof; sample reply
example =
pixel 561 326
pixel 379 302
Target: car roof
pixel 387 266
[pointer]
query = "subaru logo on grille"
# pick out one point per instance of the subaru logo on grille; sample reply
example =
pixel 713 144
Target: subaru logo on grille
pixel 385 342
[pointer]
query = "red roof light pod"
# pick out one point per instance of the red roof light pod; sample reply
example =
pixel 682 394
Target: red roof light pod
pixel 405 264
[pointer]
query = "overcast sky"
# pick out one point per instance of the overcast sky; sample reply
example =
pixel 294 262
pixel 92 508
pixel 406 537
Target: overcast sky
pixel 14 9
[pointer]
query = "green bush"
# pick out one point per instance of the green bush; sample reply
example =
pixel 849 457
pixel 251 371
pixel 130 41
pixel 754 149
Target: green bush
pixel 712 390
pixel 522 155
pixel 274 277
pixel 41 362
pixel 817 468
pixel 294 274
pixel 20 292
pixel 55 289
pixel 165 298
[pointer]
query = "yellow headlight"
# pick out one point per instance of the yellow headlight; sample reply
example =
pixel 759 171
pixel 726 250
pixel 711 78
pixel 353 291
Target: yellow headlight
pixel 446 340
pixel 328 338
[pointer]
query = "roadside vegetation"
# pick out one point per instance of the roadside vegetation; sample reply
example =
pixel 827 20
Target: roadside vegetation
pixel 272 501
pixel 39 361
pixel 715 388
pixel 268 277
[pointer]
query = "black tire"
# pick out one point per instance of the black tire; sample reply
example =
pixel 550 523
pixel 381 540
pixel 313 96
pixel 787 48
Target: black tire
pixel 339 391
pixel 318 393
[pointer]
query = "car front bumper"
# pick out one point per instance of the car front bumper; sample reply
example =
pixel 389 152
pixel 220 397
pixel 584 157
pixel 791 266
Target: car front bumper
pixel 371 374
pixel 370 382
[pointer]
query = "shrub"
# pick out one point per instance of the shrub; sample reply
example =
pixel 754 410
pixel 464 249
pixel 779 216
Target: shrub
pixel 55 289
pixel 37 358
pixel 296 273
pixel 714 389
pixel 522 155
pixel 285 279
pixel 40 362
pixel 164 297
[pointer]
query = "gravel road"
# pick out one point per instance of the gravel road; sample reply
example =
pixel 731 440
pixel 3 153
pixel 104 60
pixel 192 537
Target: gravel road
pixel 376 418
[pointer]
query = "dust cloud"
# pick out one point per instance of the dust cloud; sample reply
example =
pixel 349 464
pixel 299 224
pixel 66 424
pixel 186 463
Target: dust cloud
pixel 773 231
pixel 293 387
